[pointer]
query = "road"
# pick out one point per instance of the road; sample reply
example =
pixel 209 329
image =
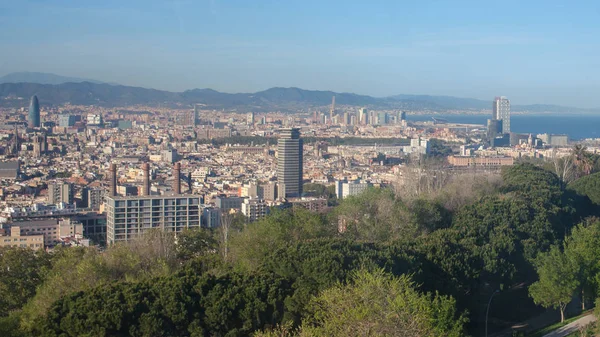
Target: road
pixel 572 327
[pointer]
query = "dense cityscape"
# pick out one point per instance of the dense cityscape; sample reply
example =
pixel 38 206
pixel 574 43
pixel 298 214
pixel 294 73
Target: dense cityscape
pixel 70 171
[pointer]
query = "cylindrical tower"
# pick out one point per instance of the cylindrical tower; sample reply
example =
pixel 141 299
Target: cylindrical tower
pixel 146 184
pixel 112 172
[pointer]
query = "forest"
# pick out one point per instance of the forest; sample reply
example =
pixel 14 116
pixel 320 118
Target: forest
pixel 383 263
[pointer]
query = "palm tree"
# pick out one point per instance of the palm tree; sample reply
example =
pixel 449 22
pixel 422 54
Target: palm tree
pixel 582 159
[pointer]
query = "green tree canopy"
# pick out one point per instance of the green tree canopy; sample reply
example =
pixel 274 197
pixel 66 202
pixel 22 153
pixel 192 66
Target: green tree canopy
pixel 557 281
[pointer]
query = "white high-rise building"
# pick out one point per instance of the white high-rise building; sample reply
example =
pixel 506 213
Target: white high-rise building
pixel 501 111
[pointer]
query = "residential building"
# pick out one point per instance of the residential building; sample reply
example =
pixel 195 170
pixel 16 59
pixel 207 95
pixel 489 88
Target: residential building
pixel 211 217
pixel 130 217
pixel 228 203
pixel 16 239
pixel 51 229
pixel 60 192
pixel 344 189
pixel 92 197
pixel 254 209
pixel 312 204
pixel 459 161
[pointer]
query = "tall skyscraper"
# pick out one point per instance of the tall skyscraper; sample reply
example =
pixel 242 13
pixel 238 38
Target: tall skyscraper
pixel 332 110
pixel 196 117
pixel 33 120
pixel 289 163
pixel 501 111
pixel 363 116
pixel 250 118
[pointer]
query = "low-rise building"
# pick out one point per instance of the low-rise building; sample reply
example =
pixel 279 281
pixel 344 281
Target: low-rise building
pixel 17 239
pixel 459 161
pixel 344 189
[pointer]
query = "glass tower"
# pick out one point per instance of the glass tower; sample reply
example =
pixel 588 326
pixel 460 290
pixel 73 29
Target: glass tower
pixel 33 119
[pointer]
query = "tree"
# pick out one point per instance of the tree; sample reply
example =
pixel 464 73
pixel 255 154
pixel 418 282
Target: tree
pixel 378 304
pixel 557 281
pixel 582 247
pixel 21 272
pixel 564 168
pixel 183 304
pixel 583 160
pixel 588 186
pixel 194 243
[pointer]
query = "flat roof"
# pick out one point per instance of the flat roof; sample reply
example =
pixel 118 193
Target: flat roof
pixel 145 197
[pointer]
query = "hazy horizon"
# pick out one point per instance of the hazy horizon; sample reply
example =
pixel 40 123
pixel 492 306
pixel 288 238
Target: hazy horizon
pixel 536 52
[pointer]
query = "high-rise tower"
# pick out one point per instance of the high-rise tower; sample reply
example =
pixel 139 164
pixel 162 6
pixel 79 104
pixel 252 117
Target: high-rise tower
pixel 332 110
pixel 501 111
pixel 33 119
pixel 289 163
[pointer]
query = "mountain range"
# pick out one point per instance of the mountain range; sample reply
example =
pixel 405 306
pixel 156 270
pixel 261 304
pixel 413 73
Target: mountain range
pixel 51 89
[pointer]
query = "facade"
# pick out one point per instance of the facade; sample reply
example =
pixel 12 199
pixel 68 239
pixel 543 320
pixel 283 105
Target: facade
pixel 9 169
pixel 312 204
pixel 211 217
pixel 60 192
pixel 228 203
pixel 15 239
pixel 130 217
pixel 494 128
pixel 554 140
pixel 254 209
pixel 501 111
pixel 66 120
pixel 417 145
pixel 344 189
pixel 289 163
pixel 170 156
pixel 363 116
pixel 268 191
pixel 92 197
pixel 459 161
pixel 196 115
pixel 51 229
pixel 94 120
pixel 33 119
pixel 94 226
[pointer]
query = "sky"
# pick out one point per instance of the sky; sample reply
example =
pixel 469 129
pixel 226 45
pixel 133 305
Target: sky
pixel 544 52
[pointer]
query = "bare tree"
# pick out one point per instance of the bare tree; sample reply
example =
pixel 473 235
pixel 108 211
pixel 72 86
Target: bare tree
pixel 226 221
pixel 564 167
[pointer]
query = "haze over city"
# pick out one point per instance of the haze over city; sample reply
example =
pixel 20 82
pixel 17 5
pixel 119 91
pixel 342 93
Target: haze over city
pixel 533 51
pixel 341 169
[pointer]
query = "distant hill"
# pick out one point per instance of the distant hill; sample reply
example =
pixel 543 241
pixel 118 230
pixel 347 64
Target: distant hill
pixel 41 78
pixel 16 94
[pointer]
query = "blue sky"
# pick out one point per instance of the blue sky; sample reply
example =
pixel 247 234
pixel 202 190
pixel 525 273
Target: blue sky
pixel 531 51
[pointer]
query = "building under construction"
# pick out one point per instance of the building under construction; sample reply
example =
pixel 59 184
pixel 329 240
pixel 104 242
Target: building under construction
pixel 128 217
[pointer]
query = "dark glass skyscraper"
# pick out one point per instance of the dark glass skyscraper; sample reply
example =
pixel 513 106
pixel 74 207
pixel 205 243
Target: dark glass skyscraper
pixel 289 163
pixel 33 120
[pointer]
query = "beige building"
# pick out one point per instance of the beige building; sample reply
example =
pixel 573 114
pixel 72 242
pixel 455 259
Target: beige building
pixel 51 229
pixel 460 161
pixel 16 239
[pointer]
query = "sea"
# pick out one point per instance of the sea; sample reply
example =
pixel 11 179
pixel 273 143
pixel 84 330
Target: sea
pixel 576 126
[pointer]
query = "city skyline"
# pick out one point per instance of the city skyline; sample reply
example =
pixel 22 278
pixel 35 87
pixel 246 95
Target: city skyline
pixel 453 49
